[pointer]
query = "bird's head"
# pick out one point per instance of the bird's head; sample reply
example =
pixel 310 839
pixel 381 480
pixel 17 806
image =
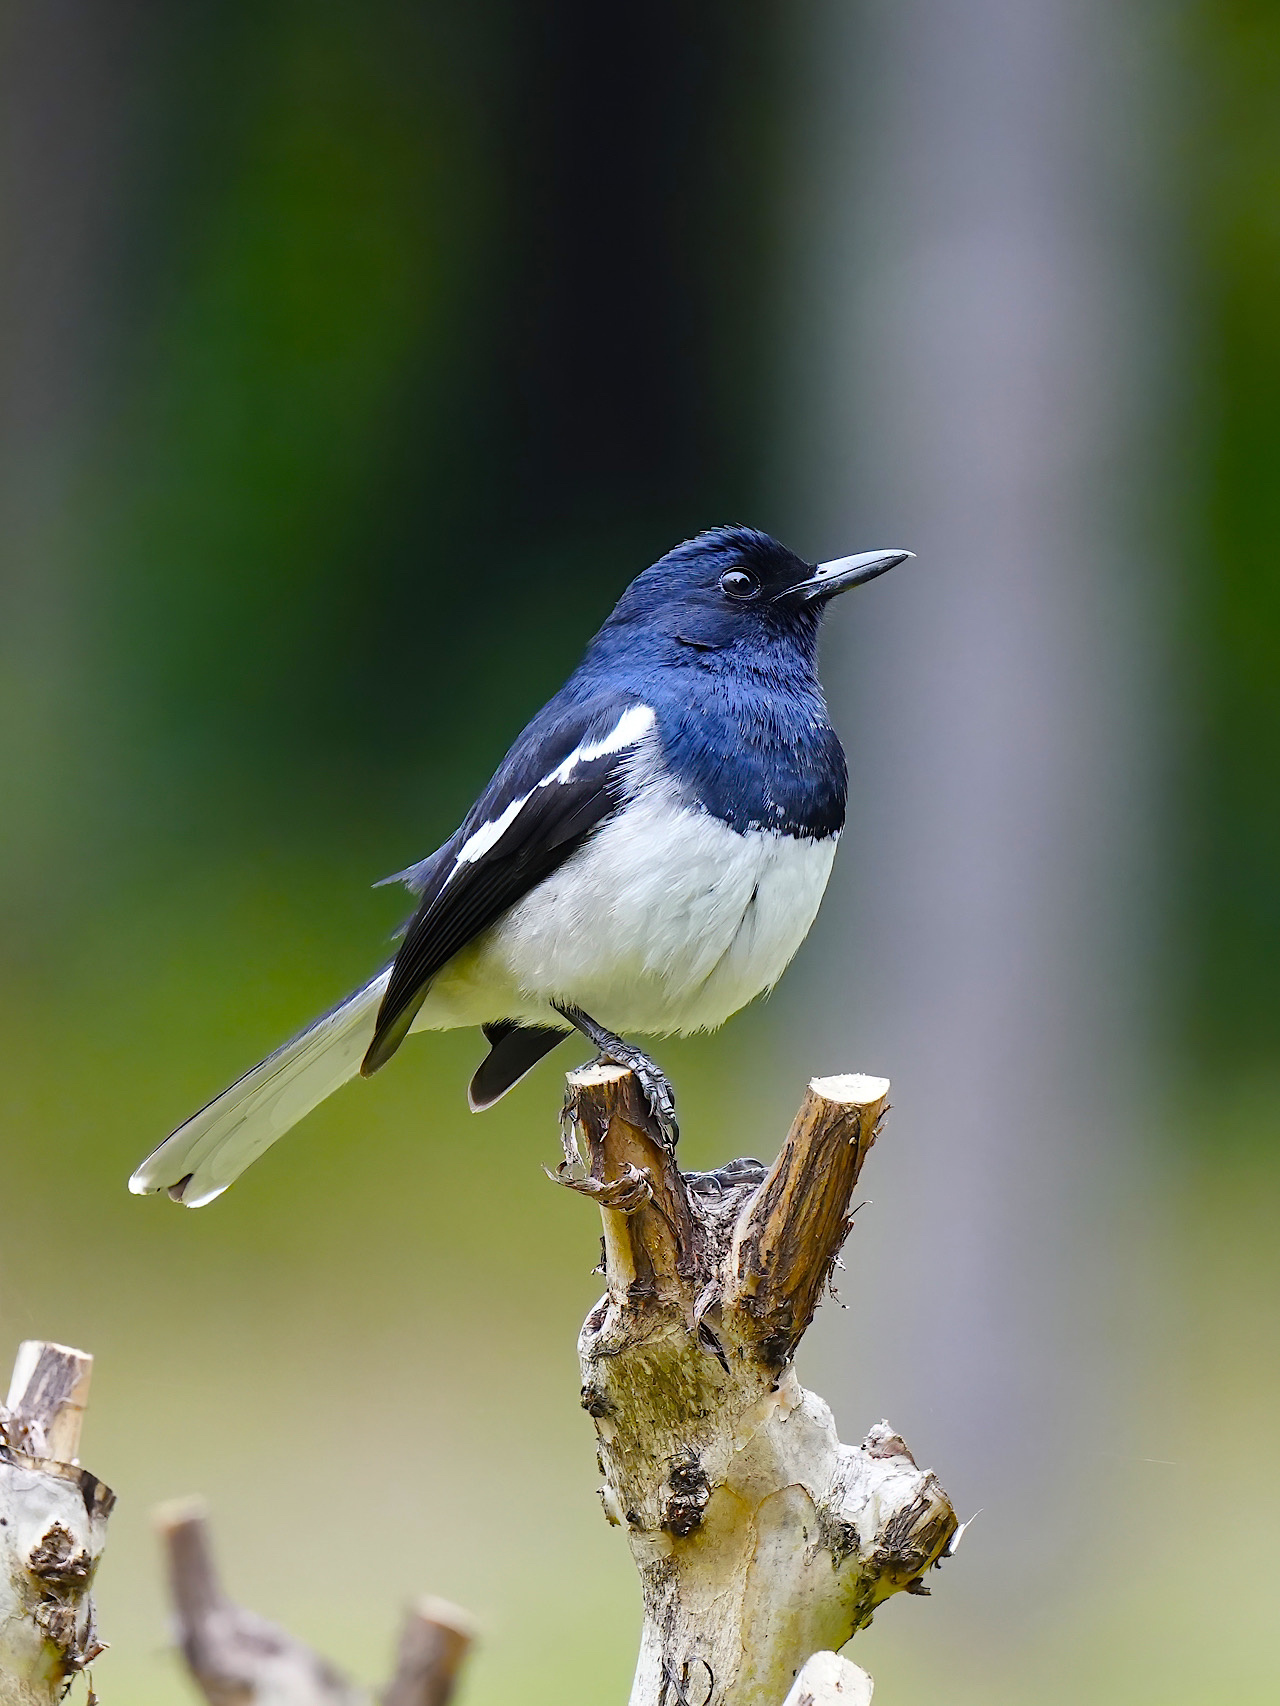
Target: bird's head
pixel 735 586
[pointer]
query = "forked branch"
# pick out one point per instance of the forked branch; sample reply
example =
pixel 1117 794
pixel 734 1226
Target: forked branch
pixel 759 1538
pixel 240 1659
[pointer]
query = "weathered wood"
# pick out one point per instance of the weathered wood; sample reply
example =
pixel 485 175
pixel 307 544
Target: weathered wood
pixel 240 1659
pixel 759 1538
pixel 236 1657
pixel 649 1232
pixel 434 1642
pixel 53 1520
pixel 829 1680
pixel 47 1396
pixel 788 1239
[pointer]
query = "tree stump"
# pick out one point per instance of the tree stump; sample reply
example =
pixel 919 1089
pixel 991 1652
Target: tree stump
pixel 759 1538
pixel 53 1526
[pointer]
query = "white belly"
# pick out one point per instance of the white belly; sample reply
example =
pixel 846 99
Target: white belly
pixel 666 921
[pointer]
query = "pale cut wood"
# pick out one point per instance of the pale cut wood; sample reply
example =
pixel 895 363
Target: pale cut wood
pixel 829 1680
pixel 649 1232
pixel 47 1397
pixel 759 1538
pixel 787 1241
pixel 434 1642
pixel 53 1520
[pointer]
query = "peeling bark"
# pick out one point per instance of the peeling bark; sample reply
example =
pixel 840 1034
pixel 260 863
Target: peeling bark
pixel 53 1521
pixel 759 1538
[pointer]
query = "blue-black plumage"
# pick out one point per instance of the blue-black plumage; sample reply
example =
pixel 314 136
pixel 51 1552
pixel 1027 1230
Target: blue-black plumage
pixel 647 858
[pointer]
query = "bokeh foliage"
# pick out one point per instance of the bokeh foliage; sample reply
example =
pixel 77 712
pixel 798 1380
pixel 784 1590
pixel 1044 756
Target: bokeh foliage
pixel 427 316
pixel 1232 162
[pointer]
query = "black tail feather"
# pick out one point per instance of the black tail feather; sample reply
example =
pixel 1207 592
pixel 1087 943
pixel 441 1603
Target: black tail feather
pixel 513 1050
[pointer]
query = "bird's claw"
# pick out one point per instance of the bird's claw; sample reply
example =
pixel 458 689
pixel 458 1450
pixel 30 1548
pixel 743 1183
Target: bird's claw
pixel 654 1083
pixel 615 1052
pixel 662 1105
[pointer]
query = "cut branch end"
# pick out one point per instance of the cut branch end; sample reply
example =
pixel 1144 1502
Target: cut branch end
pixel 48 1393
pixel 791 1232
pixel 434 1642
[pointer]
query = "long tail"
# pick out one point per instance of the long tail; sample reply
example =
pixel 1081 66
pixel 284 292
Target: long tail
pixel 213 1148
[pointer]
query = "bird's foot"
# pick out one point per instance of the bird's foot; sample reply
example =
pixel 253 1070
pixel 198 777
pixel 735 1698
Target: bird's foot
pixel 614 1051
pixel 653 1081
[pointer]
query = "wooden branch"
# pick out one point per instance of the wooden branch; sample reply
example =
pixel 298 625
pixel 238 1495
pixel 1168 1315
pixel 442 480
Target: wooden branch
pixel 434 1642
pixel 759 1538
pixel 53 1520
pixel 829 1680
pixel 47 1396
pixel 649 1231
pixel 235 1656
pixel 240 1659
pixel 792 1232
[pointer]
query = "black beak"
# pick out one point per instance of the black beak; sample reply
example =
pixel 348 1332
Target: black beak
pixel 838 576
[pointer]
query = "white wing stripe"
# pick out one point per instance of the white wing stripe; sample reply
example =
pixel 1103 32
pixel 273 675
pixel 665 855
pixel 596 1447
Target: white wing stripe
pixel 631 728
pixel 481 840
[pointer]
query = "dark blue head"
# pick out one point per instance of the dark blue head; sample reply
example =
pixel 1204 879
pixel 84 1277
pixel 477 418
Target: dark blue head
pixel 735 587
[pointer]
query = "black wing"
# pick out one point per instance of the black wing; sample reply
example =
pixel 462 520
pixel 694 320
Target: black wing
pixel 562 779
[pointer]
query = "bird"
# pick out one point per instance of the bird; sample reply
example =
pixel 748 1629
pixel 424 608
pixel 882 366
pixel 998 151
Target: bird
pixel 646 859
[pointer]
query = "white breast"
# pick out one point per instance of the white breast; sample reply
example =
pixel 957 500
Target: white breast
pixel 665 921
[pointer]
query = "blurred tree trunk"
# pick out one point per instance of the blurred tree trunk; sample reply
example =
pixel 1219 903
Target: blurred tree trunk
pixel 65 77
pixel 971 378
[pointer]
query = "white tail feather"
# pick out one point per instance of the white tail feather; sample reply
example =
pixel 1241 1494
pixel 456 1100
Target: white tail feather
pixel 213 1147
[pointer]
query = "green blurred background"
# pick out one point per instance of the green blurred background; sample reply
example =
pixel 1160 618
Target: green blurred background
pixel 352 360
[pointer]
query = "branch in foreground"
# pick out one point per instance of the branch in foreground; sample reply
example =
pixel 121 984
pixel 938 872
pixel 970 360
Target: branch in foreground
pixel 240 1659
pixel 760 1539
pixel 53 1526
pixel 434 1641
pixel 829 1680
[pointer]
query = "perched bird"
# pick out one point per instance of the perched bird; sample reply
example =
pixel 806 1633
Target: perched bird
pixel 647 858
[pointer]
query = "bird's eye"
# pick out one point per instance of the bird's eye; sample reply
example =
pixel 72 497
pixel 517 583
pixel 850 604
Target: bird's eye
pixel 739 584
